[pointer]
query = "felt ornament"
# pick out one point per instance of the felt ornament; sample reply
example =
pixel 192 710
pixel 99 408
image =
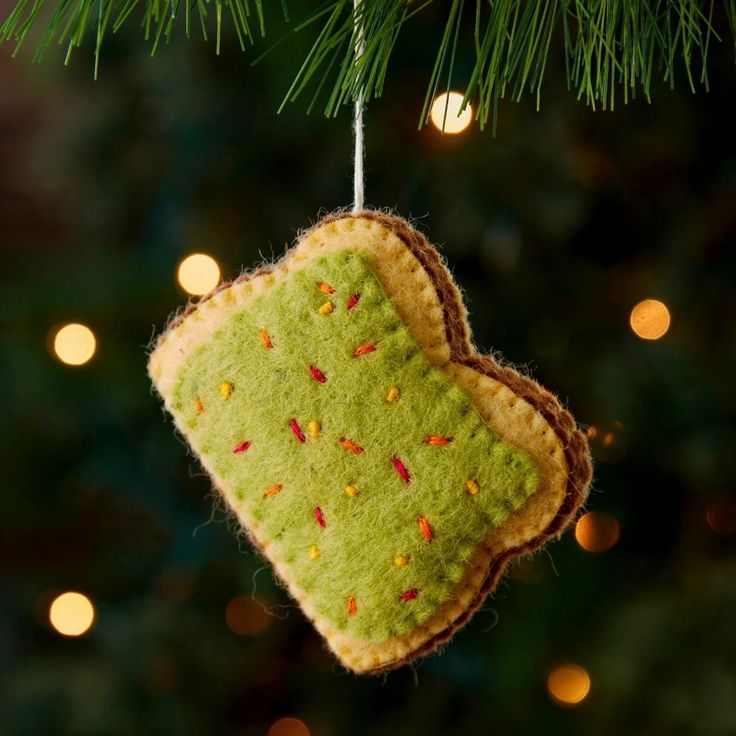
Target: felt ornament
pixel 387 470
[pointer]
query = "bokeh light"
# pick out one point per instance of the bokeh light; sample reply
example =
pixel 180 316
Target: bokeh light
pixel 608 441
pixel 597 531
pixel 74 344
pixel 198 274
pixel 288 727
pixel 72 614
pixel 568 684
pixel 246 617
pixel 650 319
pixel 721 516
pixel 446 116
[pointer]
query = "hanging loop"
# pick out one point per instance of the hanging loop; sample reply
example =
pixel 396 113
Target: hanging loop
pixel 358 173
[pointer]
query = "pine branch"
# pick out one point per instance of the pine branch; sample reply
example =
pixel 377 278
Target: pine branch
pixel 613 49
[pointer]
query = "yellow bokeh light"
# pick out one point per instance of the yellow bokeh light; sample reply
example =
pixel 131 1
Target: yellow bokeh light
pixel 74 344
pixel 246 617
pixel 597 532
pixel 445 113
pixel 72 614
pixel 650 319
pixel 568 684
pixel 198 274
pixel 288 727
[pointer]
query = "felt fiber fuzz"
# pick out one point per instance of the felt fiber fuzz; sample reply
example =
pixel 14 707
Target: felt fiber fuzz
pixel 386 470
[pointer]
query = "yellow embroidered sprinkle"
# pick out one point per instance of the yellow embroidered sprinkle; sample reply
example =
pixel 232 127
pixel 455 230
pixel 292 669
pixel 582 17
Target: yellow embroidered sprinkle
pixel 314 553
pixel 351 490
pixel 226 389
pixel 314 428
pixel 472 486
pixel 393 394
pixel 401 560
pixel 198 406
pixel 327 308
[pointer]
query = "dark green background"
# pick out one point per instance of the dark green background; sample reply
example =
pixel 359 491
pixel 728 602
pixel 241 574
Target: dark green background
pixel 555 229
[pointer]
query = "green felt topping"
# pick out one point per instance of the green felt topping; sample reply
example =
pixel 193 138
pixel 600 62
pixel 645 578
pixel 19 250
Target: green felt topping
pixel 364 533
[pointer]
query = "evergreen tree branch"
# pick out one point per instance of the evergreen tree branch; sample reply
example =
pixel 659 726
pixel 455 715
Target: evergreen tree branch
pixel 613 49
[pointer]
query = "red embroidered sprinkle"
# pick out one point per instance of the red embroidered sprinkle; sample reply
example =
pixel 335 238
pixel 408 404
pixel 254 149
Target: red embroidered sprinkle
pixel 438 440
pixel 265 339
pixel 319 518
pixel 409 595
pixel 426 529
pixel 351 446
pixel 353 301
pixel 297 430
pixel 242 447
pixel 317 374
pixel 401 469
pixel 352 606
pixel 369 347
pixel 325 288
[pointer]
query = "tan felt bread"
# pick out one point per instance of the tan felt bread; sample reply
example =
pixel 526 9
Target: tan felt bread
pixel 536 477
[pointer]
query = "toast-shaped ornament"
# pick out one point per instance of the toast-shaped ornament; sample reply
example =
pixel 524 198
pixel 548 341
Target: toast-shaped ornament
pixel 386 470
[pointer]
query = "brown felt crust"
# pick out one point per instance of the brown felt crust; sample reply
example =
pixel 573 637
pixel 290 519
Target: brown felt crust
pixel 458 355
pixel 574 442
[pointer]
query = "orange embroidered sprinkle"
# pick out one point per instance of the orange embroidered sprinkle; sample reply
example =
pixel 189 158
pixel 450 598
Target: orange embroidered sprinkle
pixel 351 490
pixel 426 529
pixel 401 469
pixel 409 595
pixel 314 428
pixel 438 440
pixel 353 301
pixel 393 394
pixel 351 446
pixel 325 288
pixel 273 490
pixel 314 553
pixel 327 308
pixel 265 339
pixel 401 560
pixel 242 447
pixel 352 605
pixel 369 347
pixel 472 486
pixel 317 374
pixel 226 389
pixel 297 430
pixel 198 406
pixel 319 517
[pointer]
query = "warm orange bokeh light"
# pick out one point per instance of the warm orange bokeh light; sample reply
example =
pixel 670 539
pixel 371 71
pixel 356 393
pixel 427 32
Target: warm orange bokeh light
pixel 74 344
pixel 72 614
pixel 721 516
pixel 597 532
pixel 288 727
pixel 607 440
pixel 446 116
pixel 246 617
pixel 568 684
pixel 650 319
pixel 198 274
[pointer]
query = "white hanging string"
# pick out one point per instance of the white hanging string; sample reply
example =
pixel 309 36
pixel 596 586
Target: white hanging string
pixel 358 175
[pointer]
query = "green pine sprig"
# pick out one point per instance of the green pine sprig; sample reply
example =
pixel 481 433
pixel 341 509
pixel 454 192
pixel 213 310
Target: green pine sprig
pixel 613 49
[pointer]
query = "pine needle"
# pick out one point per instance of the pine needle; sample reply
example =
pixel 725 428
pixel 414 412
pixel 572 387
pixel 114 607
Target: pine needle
pixel 613 49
